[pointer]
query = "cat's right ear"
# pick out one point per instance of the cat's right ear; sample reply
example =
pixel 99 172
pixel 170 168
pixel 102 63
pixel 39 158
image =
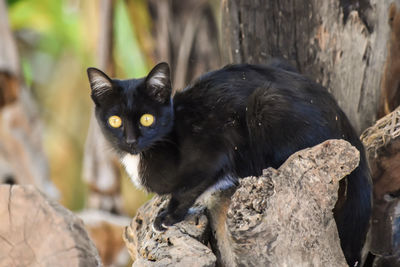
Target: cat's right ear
pixel 100 83
pixel 158 83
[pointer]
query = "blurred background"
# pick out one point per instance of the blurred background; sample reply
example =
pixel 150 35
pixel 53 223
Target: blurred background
pixel 58 40
pixel 48 137
pixel 48 45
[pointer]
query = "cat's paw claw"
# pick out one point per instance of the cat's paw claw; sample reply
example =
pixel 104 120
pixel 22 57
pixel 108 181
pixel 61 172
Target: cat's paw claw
pixel 158 228
pixel 163 221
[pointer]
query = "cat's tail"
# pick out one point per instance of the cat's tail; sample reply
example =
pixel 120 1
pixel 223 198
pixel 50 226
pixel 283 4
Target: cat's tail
pixel 353 215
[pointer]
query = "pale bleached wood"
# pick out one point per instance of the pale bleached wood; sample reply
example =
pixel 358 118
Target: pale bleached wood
pixel 184 244
pixel 35 231
pixel 284 217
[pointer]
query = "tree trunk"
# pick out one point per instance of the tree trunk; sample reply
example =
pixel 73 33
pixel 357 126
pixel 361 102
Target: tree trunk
pixel 22 159
pixel 100 166
pixel 341 44
pixel 283 218
pixel 186 36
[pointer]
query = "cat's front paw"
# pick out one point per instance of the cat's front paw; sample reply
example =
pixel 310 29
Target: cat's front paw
pixel 163 220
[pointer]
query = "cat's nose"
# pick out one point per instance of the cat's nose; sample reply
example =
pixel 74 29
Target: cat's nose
pixel 131 141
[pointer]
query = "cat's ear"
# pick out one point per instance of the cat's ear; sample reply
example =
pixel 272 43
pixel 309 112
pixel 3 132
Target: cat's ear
pixel 100 83
pixel 158 83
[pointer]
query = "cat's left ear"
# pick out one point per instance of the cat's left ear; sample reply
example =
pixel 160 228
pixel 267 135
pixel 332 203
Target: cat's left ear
pixel 100 83
pixel 158 83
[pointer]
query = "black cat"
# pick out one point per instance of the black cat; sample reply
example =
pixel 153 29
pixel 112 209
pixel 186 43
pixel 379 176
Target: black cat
pixel 230 123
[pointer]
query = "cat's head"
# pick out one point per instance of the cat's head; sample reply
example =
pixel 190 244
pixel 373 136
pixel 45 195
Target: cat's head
pixel 133 114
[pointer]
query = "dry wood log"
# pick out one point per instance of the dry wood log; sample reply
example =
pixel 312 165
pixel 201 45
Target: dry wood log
pixel 341 44
pixel 35 231
pixel 283 218
pixel 184 244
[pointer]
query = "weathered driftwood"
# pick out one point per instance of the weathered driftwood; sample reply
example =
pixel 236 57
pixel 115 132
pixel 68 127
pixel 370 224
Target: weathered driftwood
pixel 341 44
pixel 184 244
pixel 382 142
pixel 35 231
pixel 283 218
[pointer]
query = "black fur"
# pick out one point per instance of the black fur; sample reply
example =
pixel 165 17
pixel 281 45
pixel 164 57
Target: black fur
pixel 233 122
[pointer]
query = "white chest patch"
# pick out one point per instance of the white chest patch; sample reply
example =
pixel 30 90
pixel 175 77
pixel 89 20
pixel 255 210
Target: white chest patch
pixel 132 167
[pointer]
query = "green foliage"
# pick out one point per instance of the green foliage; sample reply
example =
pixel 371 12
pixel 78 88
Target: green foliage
pixel 58 41
pixel 127 54
pixel 55 21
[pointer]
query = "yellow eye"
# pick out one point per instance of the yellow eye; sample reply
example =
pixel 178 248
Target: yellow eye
pixel 115 121
pixel 147 120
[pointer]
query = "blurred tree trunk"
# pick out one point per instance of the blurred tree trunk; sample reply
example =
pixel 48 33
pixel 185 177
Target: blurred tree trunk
pixel 22 159
pixel 100 166
pixel 186 36
pixel 9 61
pixel 341 44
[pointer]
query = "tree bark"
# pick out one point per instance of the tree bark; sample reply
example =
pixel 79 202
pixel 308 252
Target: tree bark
pixel 340 44
pixel 35 231
pixel 184 244
pixel 283 218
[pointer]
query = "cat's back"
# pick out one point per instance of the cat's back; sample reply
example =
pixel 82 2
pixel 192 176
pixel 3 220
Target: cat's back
pixel 228 87
pixel 218 98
